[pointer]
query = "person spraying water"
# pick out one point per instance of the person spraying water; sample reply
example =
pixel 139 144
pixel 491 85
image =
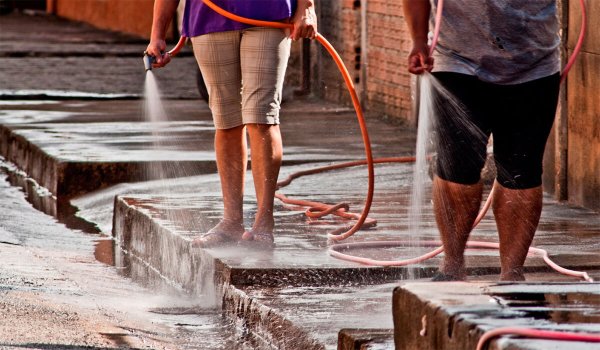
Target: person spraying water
pixel 228 51
pixel 504 68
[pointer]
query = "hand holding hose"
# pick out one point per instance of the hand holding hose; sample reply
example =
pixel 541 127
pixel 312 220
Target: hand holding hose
pixel 304 21
pixel 419 60
pixel 416 14
pixel 164 10
pixel 156 49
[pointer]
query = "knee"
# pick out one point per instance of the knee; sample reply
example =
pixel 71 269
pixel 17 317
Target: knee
pixel 519 172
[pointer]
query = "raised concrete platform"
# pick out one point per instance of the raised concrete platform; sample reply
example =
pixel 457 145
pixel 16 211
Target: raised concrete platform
pixel 298 294
pixel 76 147
pixel 454 315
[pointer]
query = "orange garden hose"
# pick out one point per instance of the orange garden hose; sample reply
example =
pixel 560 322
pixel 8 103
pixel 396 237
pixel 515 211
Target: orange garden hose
pixel 538 334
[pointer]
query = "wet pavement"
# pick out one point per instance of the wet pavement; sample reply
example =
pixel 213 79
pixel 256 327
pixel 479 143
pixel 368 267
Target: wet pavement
pixel 62 58
pixel 81 145
pixel 54 294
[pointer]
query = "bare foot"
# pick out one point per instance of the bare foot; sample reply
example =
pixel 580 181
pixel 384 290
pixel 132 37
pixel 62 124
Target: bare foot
pixel 259 240
pixel 224 233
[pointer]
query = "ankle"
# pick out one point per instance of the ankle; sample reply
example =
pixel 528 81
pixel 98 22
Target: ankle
pixel 264 225
pixel 233 227
pixel 454 267
pixel 231 221
pixel 512 274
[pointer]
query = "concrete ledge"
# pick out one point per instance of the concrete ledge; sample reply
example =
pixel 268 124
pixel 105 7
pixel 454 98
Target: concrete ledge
pixel 267 323
pixel 68 178
pixel 141 233
pixel 162 254
pixel 365 339
pixel 147 224
pixel 454 315
pixel 29 158
pixel 155 253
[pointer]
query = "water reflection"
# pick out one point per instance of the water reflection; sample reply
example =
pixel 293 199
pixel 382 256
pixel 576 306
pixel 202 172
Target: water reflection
pixel 560 308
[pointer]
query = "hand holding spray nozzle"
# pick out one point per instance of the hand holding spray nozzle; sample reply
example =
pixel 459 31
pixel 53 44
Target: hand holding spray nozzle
pixel 149 60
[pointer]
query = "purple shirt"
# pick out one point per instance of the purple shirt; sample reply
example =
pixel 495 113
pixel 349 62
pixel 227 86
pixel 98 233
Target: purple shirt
pixel 200 19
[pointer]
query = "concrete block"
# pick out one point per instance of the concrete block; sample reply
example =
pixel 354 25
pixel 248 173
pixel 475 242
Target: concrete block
pixel 454 315
pixel 364 339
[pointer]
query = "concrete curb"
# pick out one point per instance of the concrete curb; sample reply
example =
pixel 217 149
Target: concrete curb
pixel 454 315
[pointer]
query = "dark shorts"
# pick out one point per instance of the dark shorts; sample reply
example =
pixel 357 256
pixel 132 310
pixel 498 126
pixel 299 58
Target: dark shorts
pixel 518 116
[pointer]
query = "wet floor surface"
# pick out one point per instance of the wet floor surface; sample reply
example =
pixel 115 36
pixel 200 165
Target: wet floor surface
pixel 61 58
pixel 51 282
pixel 300 262
pixel 322 311
pixel 48 123
pixel 117 146
pixel 302 242
pixel 191 205
pixel 327 297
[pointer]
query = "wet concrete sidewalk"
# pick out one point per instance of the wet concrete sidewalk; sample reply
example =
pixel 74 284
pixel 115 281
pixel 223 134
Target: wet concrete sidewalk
pixel 103 158
pixel 296 295
pixel 55 294
pixel 43 56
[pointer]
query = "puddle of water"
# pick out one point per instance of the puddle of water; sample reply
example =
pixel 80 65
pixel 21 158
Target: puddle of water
pixel 26 102
pixel 566 308
pixel 104 251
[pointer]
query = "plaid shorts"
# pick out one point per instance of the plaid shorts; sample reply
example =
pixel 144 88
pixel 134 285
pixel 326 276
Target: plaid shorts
pixel 243 71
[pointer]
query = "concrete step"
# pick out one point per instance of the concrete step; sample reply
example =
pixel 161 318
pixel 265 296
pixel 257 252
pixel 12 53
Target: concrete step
pixel 454 315
pixel 365 339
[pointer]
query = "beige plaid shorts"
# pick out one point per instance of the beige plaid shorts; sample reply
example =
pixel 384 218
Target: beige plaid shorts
pixel 243 71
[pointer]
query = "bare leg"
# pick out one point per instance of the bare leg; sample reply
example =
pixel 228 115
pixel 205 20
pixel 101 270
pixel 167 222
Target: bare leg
pixel 267 152
pixel 517 215
pixel 455 207
pixel 232 159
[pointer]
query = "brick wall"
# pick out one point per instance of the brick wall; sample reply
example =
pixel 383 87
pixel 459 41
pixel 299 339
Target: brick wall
pixel 388 81
pixel 374 44
pixel 340 25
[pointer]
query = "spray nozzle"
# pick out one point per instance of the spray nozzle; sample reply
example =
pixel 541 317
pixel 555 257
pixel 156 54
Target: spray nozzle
pixel 148 61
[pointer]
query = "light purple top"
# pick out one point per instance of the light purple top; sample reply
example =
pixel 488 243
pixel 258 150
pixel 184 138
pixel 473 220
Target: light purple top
pixel 200 19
